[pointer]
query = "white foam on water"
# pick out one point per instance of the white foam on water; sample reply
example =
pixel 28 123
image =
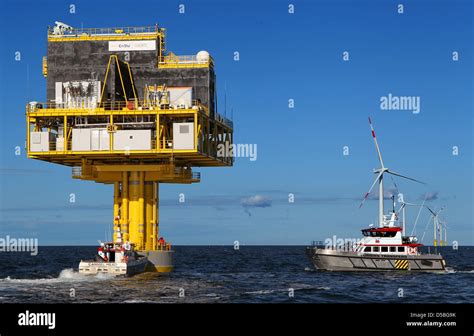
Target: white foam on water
pixel 297 287
pixel 263 291
pixel 212 295
pixel 66 275
pixel 137 301
pixel 454 271
pixel 324 288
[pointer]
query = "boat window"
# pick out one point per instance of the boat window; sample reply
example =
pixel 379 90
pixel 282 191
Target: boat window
pixel 376 249
pixel 388 234
pixel 384 248
pixel 401 249
pixel 393 249
pixel 367 249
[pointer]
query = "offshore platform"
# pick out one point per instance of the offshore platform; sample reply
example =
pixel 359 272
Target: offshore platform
pixel 122 110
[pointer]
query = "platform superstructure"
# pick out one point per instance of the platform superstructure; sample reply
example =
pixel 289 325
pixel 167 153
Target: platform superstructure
pixel 121 110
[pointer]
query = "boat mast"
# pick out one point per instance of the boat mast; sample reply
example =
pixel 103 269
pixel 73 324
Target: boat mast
pixel 381 205
pixel 404 219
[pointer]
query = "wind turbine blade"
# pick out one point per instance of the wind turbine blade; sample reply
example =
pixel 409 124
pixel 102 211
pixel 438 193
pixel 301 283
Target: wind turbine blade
pixel 396 187
pixel 372 187
pixel 418 216
pixel 414 204
pixel 405 177
pixel 376 143
pixel 401 207
pixel 432 212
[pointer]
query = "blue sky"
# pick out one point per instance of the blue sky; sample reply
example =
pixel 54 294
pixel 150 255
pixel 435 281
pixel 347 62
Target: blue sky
pixel 300 150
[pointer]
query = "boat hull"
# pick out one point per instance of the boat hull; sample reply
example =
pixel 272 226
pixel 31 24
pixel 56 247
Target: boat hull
pixel 334 260
pixel 113 268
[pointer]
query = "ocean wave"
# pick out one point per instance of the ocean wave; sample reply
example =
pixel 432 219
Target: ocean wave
pixel 260 292
pixel 309 287
pixel 137 301
pixel 66 275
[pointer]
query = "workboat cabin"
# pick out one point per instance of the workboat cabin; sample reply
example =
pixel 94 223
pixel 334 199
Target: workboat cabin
pixel 387 240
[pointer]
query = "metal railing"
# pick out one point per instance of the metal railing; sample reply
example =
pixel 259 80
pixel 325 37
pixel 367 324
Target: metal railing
pixel 74 32
pixel 166 247
pixel 317 243
pixel 111 106
pixel 45 66
pixel 177 60
pixel 76 171
pixel 223 120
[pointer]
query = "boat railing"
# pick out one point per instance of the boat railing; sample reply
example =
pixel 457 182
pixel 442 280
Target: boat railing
pixel 316 243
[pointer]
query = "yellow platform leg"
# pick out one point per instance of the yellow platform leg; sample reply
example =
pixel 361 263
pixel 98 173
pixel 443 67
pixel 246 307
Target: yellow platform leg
pixel 149 214
pixel 116 209
pixel 133 185
pixel 156 212
pixel 141 211
pixel 124 208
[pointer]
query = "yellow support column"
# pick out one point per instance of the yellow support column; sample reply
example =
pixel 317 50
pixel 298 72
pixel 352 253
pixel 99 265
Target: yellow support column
pixel 141 211
pixel 28 130
pixel 116 209
pixel 111 134
pixel 65 130
pixel 196 138
pixel 156 196
pixel 157 137
pixel 124 207
pixel 133 207
pixel 149 203
pixel 157 214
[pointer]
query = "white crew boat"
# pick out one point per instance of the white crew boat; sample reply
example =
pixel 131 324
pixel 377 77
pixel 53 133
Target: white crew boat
pixel 382 248
pixel 115 258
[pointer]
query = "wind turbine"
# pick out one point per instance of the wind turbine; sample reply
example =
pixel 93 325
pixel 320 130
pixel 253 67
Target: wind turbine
pixel 380 171
pixel 403 210
pixel 445 234
pixel 437 229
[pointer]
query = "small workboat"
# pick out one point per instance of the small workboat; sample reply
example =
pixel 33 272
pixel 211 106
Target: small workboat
pixel 114 258
pixel 383 248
